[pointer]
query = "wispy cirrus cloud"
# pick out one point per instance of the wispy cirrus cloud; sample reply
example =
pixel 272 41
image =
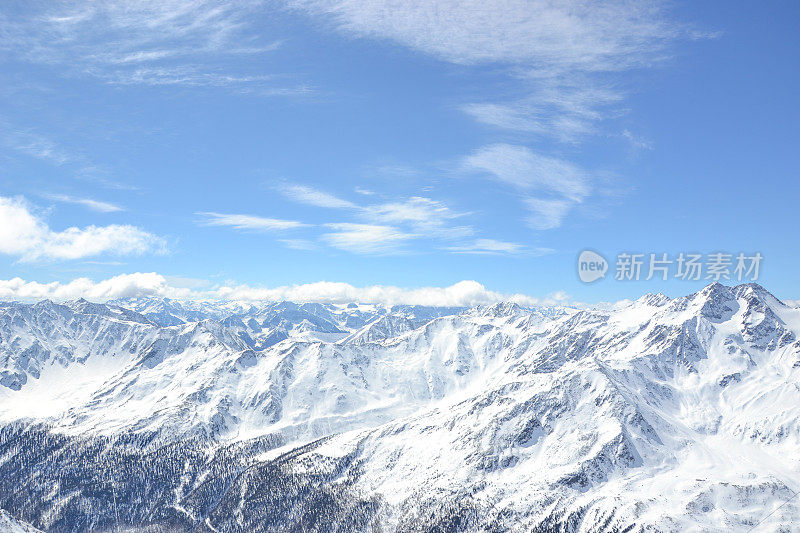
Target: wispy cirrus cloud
pixel 310 196
pixel 26 235
pixel 178 75
pixel 552 186
pixel 151 42
pixel 401 226
pixel 560 57
pixel 422 214
pixel 89 203
pixel 37 146
pixel 547 213
pixel 525 169
pixel 571 34
pixel 301 244
pixel 248 222
pixel 386 226
pixel 560 67
pixel 495 247
pixel 565 111
pixel 369 239
pixel 425 216
pixel 637 141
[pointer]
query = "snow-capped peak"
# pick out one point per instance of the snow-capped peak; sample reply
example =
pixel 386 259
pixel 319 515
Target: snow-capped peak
pixel 666 414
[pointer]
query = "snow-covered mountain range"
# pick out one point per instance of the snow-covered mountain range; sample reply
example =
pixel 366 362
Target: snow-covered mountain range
pixel 149 414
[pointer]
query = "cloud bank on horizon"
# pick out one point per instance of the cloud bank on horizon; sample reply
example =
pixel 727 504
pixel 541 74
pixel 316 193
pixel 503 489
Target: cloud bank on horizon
pixel 466 293
pixel 150 284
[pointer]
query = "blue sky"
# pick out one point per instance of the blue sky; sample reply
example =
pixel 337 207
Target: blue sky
pixel 412 144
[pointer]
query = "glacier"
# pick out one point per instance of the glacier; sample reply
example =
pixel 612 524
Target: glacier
pixel 148 414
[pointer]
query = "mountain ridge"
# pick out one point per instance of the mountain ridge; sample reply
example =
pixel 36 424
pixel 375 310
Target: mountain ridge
pixel 663 414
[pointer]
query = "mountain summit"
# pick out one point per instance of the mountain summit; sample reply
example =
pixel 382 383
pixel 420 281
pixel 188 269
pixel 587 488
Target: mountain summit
pixel 661 415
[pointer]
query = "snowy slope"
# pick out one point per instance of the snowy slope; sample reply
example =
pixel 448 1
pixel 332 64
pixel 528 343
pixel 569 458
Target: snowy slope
pixel 676 415
pixel 666 414
pixel 205 378
pixel 9 524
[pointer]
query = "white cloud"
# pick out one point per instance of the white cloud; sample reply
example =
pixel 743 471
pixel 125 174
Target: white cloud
pixel 300 244
pixel 120 32
pixel 423 215
pixel 140 56
pixel 26 235
pixel 178 75
pixel 571 33
pixel 34 145
pixel 566 111
pixel 363 191
pixel 392 171
pixel 378 229
pixel 508 116
pixel 547 214
pixel 382 228
pixel 415 210
pixel 94 205
pixel 311 196
pixel 249 222
pixel 521 167
pixel 150 42
pixel 366 238
pixel 495 247
pixel 463 293
pixel 637 141
pixel 557 54
pixel 122 286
